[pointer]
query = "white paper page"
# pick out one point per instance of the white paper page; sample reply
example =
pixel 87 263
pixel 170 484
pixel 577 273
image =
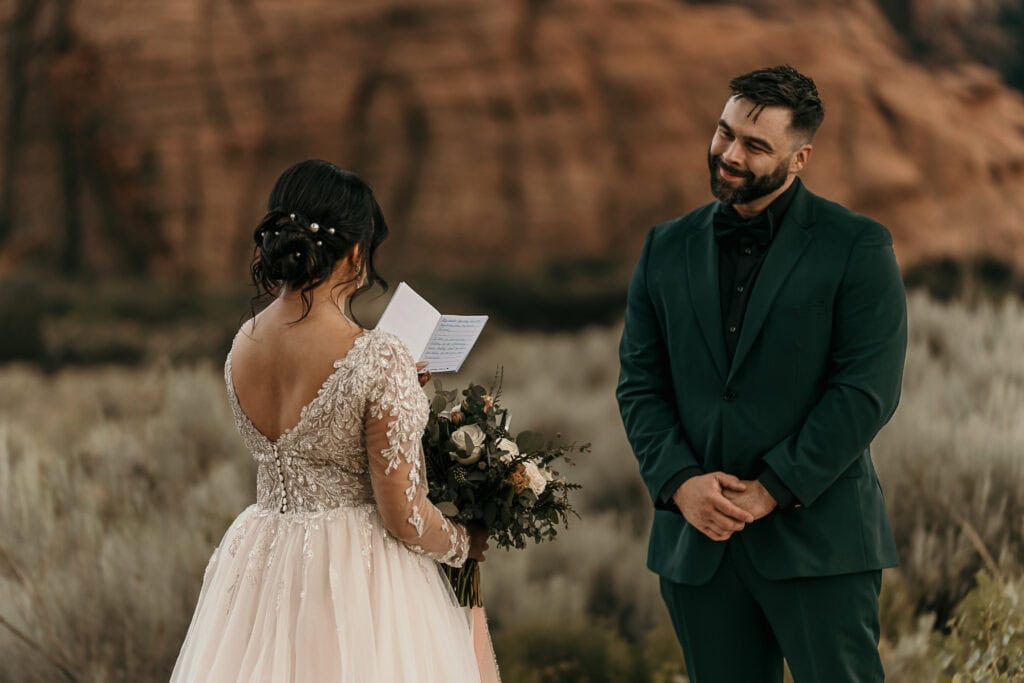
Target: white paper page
pixel 452 341
pixel 410 318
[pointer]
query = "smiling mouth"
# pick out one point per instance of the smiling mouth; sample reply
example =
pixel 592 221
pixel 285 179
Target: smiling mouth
pixel 729 176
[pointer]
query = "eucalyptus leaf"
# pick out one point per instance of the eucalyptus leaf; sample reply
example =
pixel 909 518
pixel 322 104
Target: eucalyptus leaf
pixel 530 442
pixel 448 508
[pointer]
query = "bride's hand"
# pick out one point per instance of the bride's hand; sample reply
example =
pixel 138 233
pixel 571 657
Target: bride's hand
pixel 422 373
pixel 477 541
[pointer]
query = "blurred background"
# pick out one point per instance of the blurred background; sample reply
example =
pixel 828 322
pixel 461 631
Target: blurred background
pixel 520 150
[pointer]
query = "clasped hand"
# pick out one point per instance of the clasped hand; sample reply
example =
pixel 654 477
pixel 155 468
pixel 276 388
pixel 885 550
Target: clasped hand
pixel 718 504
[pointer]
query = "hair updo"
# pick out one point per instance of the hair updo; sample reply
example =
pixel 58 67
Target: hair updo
pixel 316 214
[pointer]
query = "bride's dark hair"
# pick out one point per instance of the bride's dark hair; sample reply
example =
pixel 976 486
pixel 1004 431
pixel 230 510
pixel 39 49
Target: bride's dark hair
pixel 316 214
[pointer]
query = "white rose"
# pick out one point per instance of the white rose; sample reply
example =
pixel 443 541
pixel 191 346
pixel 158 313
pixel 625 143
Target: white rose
pixel 538 482
pixel 510 448
pixel 476 438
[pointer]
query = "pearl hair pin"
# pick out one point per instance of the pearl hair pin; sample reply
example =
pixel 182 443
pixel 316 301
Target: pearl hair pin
pixel 313 227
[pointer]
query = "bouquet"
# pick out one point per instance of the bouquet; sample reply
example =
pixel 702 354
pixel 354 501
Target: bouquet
pixel 480 473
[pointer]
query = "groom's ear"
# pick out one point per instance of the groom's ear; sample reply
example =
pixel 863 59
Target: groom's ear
pixel 801 157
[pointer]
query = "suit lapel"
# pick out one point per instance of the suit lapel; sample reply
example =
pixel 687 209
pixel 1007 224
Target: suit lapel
pixel 785 250
pixel 702 272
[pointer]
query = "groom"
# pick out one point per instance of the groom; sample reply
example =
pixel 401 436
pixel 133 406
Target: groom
pixel 763 350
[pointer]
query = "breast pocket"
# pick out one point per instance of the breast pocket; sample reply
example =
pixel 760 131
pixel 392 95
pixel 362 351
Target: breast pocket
pixel 799 323
pixel 803 333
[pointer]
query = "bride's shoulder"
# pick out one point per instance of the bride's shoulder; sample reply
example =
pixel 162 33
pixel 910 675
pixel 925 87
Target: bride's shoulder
pixel 384 345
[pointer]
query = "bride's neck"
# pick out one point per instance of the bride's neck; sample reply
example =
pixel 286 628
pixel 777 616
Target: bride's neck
pixel 325 303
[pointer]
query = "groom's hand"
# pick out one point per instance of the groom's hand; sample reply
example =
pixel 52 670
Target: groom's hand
pixel 755 499
pixel 703 502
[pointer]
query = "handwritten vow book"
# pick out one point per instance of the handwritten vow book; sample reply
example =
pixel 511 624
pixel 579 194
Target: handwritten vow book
pixel 443 341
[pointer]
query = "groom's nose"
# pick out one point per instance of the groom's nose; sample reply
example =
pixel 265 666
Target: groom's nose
pixel 733 155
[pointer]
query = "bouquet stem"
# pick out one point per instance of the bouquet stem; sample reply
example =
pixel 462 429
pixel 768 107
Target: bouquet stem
pixel 465 581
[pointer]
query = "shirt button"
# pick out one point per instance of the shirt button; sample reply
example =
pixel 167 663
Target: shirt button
pixel 732 328
pixel 739 288
pixel 748 250
pixel 729 395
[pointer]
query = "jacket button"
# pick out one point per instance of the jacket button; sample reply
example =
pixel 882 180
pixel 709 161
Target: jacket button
pixel 729 395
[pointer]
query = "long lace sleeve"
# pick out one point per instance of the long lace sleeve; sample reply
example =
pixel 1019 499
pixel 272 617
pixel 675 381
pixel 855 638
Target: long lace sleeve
pixel 395 417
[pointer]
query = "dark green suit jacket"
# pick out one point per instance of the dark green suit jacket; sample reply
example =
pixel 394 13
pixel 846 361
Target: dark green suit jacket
pixel 815 376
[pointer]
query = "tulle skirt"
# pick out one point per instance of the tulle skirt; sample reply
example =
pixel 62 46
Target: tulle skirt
pixel 324 597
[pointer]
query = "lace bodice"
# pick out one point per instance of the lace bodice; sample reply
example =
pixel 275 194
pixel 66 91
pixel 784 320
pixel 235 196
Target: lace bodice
pixel 357 443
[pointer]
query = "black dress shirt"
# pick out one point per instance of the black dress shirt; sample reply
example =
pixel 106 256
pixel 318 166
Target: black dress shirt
pixel 742 246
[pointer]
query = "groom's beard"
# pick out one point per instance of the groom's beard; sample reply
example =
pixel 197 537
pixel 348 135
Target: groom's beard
pixel 753 186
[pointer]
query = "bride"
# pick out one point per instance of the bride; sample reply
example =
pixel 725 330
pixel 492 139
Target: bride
pixel 331 575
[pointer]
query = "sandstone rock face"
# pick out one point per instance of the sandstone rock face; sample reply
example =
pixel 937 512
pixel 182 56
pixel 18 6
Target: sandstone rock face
pixel 956 31
pixel 144 137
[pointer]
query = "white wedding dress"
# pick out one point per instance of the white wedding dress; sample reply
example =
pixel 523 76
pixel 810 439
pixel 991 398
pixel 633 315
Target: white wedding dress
pixel 332 575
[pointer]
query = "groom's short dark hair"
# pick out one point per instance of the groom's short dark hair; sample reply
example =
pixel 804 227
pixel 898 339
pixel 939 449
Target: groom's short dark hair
pixel 782 86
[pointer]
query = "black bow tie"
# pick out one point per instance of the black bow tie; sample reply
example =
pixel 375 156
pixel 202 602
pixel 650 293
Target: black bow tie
pixel 729 226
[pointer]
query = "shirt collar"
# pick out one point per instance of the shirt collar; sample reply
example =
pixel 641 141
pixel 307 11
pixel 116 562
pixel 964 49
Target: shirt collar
pixel 776 211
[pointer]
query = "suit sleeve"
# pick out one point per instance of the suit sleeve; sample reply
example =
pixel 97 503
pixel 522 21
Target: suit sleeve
pixel 869 344
pixel 646 396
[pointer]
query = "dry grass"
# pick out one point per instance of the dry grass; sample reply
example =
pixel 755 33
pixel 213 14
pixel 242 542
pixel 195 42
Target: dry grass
pixel 116 484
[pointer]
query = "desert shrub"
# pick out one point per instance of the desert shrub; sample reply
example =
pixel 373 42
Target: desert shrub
pixel 976 279
pixel 116 484
pixel 662 656
pixel 110 505
pixel 566 294
pixel 26 304
pixel 949 461
pixel 590 651
pixel 566 653
pixel 987 638
pixel 53 324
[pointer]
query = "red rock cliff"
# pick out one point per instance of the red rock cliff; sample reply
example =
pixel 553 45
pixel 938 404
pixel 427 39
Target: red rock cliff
pixel 145 136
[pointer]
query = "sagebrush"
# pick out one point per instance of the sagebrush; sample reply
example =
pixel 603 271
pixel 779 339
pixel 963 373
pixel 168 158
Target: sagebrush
pixel 116 484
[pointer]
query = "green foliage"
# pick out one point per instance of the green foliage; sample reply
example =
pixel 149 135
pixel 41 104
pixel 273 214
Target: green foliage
pixel 566 294
pixel 479 473
pixel 52 323
pixel 24 309
pixel 986 641
pixel 478 470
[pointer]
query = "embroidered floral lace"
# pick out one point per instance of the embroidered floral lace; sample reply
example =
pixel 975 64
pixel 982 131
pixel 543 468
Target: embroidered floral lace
pixel 357 444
